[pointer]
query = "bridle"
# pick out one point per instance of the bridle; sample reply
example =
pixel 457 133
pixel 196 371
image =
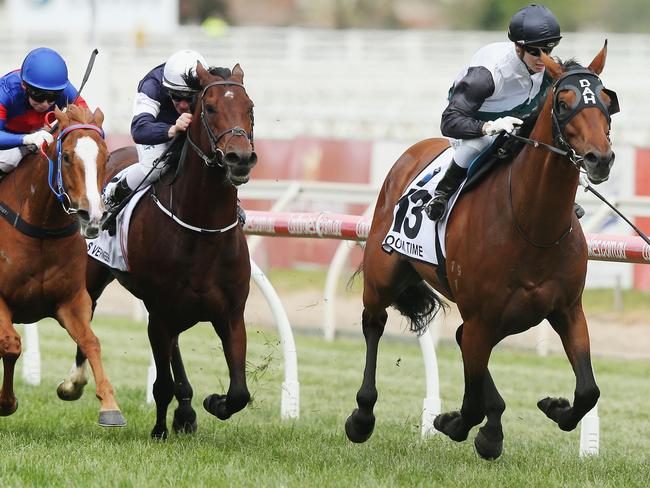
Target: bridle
pixel 587 86
pixel 216 160
pixel 54 177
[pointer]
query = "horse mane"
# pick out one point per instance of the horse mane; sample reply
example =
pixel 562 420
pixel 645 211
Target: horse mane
pixel 192 80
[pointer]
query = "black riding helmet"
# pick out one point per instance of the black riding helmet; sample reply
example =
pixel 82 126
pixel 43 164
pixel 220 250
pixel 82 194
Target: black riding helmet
pixel 534 25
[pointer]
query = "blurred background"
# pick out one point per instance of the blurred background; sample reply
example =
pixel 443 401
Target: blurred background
pixel 342 88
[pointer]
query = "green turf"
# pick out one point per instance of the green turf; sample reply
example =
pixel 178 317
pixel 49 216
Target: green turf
pixel 50 443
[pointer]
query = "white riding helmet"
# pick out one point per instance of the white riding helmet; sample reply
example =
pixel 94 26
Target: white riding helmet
pixel 181 63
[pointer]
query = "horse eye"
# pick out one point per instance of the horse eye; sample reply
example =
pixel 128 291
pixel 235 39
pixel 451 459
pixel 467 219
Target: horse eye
pixel 210 110
pixel 66 159
pixel 562 105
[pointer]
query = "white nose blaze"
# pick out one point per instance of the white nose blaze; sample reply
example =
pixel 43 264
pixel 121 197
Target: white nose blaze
pixel 87 150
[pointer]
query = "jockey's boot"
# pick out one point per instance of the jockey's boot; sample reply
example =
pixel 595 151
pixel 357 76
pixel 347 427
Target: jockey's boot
pixel 579 211
pixel 3 174
pixel 447 186
pixel 115 192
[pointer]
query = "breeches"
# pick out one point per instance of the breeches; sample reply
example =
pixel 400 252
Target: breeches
pixel 147 156
pixel 9 158
pixel 465 150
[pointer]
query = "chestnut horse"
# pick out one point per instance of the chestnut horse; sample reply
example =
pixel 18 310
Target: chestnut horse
pixel 516 255
pixel 189 259
pixel 43 253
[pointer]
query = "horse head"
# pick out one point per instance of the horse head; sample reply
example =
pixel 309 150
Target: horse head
pixel 80 158
pixel 226 112
pixel 581 114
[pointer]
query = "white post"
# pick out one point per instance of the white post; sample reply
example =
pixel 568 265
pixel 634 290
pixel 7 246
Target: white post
pixel 329 296
pixel 290 402
pixel 151 378
pixel 590 433
pixel 31 356
pixel 432 405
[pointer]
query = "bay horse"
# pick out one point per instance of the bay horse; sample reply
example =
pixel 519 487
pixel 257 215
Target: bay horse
pixel 45 202
pixel 187 254
pixel 516 255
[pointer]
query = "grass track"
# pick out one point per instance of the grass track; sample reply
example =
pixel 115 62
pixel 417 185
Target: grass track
pixel 52 443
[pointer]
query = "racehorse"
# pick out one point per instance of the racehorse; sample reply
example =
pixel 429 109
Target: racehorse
pixel 187 254
pixel 44 202
pixel 516 255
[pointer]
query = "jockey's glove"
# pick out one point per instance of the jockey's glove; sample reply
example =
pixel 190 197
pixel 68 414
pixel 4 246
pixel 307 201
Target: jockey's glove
pixel 502 124
pixel 38 138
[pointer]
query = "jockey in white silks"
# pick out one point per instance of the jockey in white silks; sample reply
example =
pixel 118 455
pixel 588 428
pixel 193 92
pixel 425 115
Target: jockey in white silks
pixel 503 82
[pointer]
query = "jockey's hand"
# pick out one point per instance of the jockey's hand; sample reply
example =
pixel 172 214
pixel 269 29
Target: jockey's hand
pixel 181 125
pixel 506 124
pixel 38 138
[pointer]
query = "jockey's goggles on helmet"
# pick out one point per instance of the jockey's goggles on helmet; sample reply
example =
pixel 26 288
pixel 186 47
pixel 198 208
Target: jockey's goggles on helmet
pixel 178 96
pixel 537 51
pixel 39 95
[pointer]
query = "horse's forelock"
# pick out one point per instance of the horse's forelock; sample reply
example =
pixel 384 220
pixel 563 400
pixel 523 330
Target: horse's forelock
pixel 81 115
pixel 570 64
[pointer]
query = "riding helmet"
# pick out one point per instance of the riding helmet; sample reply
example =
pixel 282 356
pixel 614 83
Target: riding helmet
pixel 534 25
pixel 181 63
pixel 45 69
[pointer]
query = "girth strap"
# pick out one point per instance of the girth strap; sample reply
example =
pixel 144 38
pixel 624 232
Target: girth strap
pixel 36 232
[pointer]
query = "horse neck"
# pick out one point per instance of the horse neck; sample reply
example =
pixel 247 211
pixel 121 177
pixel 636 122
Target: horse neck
pixel 543 185
pixel 203 195
pixel 35 201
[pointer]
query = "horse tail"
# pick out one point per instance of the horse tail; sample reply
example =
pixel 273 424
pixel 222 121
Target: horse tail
pixel 419 304
pixel 358 271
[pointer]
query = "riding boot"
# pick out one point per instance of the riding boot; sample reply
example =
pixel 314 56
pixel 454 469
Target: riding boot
pixel 119 192
pixel 3 174
pixel 447 186
pixel 579 211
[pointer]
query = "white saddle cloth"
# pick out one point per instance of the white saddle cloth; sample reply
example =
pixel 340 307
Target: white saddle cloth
pixel 412 233
pixel 112 250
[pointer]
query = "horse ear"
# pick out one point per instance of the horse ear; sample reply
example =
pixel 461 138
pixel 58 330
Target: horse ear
pixel 61 117
pixel 238 73
pixel 598 63
pixel 203 74
pixel 552 66
pixel 98 117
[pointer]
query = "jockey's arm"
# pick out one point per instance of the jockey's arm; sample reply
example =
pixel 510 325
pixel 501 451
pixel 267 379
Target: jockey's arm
pixel 468 94
pixel 145 128
pixel 8 139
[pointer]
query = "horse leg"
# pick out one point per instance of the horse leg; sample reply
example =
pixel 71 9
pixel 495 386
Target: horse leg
pixel 233 338
pixel 75 318
pixel 71 388
pixel 10 349
pixel 184 415
pixel 161 342
pixel 475 348
pixel 361 423
pixel 572 329
pixel 489 440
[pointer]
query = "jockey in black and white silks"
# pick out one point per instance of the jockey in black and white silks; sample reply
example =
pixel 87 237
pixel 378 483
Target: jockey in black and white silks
pixel 503 82
pixel 161 110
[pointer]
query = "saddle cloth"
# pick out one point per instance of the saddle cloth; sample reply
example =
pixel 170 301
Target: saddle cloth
pixel 112 250
pixel 412 233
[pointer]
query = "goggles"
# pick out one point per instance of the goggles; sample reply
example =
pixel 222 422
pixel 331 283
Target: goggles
pixel 177 96
pixel 537 51
pixel 39 95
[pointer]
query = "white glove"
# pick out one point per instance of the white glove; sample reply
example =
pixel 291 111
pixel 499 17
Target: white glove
pixel 507 124
pixel 38 138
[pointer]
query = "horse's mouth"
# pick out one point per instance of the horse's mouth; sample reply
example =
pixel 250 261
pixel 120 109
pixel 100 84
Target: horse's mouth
pixel 90 231
pixel 598 180
pixel 239 180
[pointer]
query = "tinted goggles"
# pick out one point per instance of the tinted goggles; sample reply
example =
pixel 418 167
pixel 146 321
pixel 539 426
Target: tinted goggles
pixel 40 96
pixel 537 51
pixel 181 96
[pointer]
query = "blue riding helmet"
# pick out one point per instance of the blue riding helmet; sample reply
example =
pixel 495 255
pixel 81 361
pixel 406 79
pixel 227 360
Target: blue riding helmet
pixel 45 69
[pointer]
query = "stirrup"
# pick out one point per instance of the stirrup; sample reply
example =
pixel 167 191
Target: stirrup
pixel 436 207
pixel 578 210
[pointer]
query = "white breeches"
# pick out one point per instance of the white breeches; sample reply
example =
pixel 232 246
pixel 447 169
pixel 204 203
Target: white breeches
pixel 147 155
pixel 465 150
pixel 9 158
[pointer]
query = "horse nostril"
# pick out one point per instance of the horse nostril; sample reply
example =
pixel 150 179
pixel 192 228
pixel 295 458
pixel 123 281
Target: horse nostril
pixel 83 215
pixel 591 158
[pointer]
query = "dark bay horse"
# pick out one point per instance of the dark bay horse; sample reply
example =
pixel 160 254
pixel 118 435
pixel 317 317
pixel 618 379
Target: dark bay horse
pixel 516 255
pixel 189 259
pixel 43 265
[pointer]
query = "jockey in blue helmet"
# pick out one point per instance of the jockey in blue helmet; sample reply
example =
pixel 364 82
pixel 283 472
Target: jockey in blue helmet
pixel 503 82
pixel 26 95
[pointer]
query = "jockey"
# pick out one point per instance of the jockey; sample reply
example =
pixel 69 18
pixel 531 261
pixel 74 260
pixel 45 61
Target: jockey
pixel 503 82
pixel 26 95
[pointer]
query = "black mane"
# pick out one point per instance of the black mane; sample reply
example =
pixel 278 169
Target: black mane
pixel 193 82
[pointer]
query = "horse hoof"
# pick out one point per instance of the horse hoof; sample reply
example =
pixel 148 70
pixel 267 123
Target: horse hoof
pixel 216 405
pixel 488 446
pixel 185 422
pixel 68 392
pixel 159 433
pixel 451 424
pixel 353 430
pixel 111 418
pixel 6 411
